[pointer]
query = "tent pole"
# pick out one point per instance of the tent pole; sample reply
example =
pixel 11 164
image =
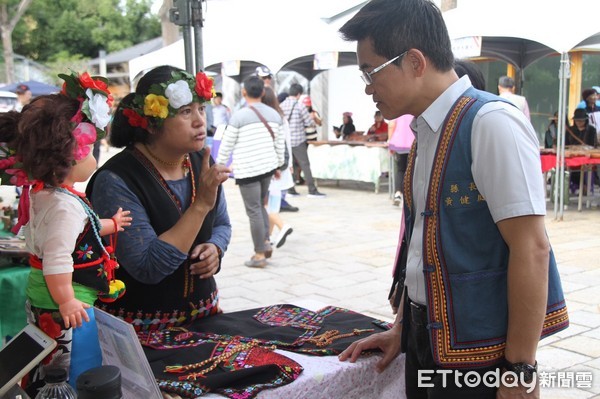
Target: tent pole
pixel 559 200
pixel 197 23
pixel 180 15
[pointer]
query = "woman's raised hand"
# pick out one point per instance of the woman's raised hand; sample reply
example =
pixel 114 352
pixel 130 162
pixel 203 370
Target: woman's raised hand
pixel 210 179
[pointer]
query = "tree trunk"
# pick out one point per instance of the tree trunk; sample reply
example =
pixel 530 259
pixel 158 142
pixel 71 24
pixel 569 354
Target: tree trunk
pixel 7 48
pixel 7 26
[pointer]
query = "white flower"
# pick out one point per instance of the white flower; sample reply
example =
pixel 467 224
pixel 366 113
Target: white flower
pixel 99 109
pixel 179 94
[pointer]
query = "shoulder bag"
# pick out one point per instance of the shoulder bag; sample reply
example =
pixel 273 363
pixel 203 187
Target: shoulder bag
pixel 286 157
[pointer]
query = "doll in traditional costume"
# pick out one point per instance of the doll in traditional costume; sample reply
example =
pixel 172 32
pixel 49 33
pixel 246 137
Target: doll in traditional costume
pixel 47 149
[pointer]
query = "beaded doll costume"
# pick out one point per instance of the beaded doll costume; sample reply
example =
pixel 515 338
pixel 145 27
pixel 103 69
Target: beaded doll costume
pixel 47 151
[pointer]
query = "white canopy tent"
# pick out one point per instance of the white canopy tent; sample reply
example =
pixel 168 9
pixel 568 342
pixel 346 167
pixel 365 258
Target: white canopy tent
pixel 269 32
pixel 521 32
pixel 280 32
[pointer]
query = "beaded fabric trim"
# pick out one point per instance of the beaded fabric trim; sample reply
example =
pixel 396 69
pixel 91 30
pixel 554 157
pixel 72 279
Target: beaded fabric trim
pixel 230 357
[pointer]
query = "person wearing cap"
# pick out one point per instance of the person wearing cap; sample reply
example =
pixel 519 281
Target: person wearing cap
pixel 590 98
pixel 347 128
pixel 581 132
pixel 265 74
pixel 23 96
pixel 506 89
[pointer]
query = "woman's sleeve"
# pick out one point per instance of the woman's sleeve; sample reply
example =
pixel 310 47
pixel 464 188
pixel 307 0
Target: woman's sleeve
pixel 221 234
pixel 145 257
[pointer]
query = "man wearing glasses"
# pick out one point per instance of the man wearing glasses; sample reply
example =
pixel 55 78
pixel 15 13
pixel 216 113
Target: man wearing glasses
pixel 476 280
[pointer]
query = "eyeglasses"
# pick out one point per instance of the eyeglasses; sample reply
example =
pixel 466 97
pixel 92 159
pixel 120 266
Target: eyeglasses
pixel 367 76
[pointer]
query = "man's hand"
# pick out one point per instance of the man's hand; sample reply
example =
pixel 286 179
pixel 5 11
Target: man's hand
pixel 388 342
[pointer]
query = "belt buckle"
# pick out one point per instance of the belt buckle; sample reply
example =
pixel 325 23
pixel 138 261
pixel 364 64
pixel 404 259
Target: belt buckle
pixel 419 307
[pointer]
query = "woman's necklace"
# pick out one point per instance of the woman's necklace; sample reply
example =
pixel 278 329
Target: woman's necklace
pixel 184 161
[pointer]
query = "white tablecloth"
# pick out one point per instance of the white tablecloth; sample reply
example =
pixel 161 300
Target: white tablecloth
pixel 348 162
pixel 325 377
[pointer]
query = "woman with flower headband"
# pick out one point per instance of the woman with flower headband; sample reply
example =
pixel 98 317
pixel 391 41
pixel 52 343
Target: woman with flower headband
pixel 166 178
pixel 48 150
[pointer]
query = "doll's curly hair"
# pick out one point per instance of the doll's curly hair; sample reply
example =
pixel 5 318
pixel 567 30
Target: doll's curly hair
pixel 42 136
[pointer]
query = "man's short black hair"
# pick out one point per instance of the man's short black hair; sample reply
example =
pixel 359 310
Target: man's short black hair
pixel 396 26
pixel 295 89
pixel 254 86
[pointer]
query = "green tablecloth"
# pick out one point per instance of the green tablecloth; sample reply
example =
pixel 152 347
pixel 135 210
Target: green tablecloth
pixel 13 279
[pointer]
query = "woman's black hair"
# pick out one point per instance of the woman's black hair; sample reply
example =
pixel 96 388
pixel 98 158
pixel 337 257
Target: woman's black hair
pixel 122 134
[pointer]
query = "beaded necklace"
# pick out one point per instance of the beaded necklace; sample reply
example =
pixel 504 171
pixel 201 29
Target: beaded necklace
pixel 145 161
pixel 227 351
pixel 328 337
pixel 184 161
pixel 94 219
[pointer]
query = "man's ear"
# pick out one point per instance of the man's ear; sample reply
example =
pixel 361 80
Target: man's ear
pixel 416 61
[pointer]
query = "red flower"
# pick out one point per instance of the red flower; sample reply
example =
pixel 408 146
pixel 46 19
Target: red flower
pixel 5 163
pixel 204 86
pixel 87 82
pixel 135 119
pixel 49 326
pixel 19 177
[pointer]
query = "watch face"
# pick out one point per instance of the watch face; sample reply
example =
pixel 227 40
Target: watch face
pixel 523 371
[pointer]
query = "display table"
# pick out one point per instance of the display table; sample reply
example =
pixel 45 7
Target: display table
pixel 575 160
pixel 13 280
pixel 352 160
pixel 288 356
pixel 327 377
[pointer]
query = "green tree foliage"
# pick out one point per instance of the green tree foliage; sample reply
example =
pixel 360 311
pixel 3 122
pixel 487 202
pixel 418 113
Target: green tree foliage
pixel 59 30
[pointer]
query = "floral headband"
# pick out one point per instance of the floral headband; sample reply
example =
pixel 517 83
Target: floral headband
pixel 89 123
pixel 94 112
pixel 164 99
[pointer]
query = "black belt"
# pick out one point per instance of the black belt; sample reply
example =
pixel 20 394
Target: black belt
pixel 418 313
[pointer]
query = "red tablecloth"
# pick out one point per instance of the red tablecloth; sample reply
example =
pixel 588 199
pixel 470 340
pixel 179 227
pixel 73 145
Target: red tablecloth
pixel 549 162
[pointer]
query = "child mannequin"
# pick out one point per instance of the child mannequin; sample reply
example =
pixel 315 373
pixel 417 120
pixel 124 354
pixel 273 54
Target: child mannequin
pixel 49 148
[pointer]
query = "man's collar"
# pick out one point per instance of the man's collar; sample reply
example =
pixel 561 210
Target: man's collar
pixel 435 114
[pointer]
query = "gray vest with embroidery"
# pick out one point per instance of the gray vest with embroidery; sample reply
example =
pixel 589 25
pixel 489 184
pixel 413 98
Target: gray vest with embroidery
pixel 465 259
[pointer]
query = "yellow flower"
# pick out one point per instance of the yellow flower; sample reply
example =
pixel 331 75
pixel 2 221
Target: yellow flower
pixel 156 106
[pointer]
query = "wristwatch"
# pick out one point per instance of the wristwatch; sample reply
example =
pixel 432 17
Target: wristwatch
pixel 523 371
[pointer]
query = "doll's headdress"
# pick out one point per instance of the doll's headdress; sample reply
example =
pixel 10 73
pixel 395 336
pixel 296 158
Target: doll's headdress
pixel 164 99
pixel 93 115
